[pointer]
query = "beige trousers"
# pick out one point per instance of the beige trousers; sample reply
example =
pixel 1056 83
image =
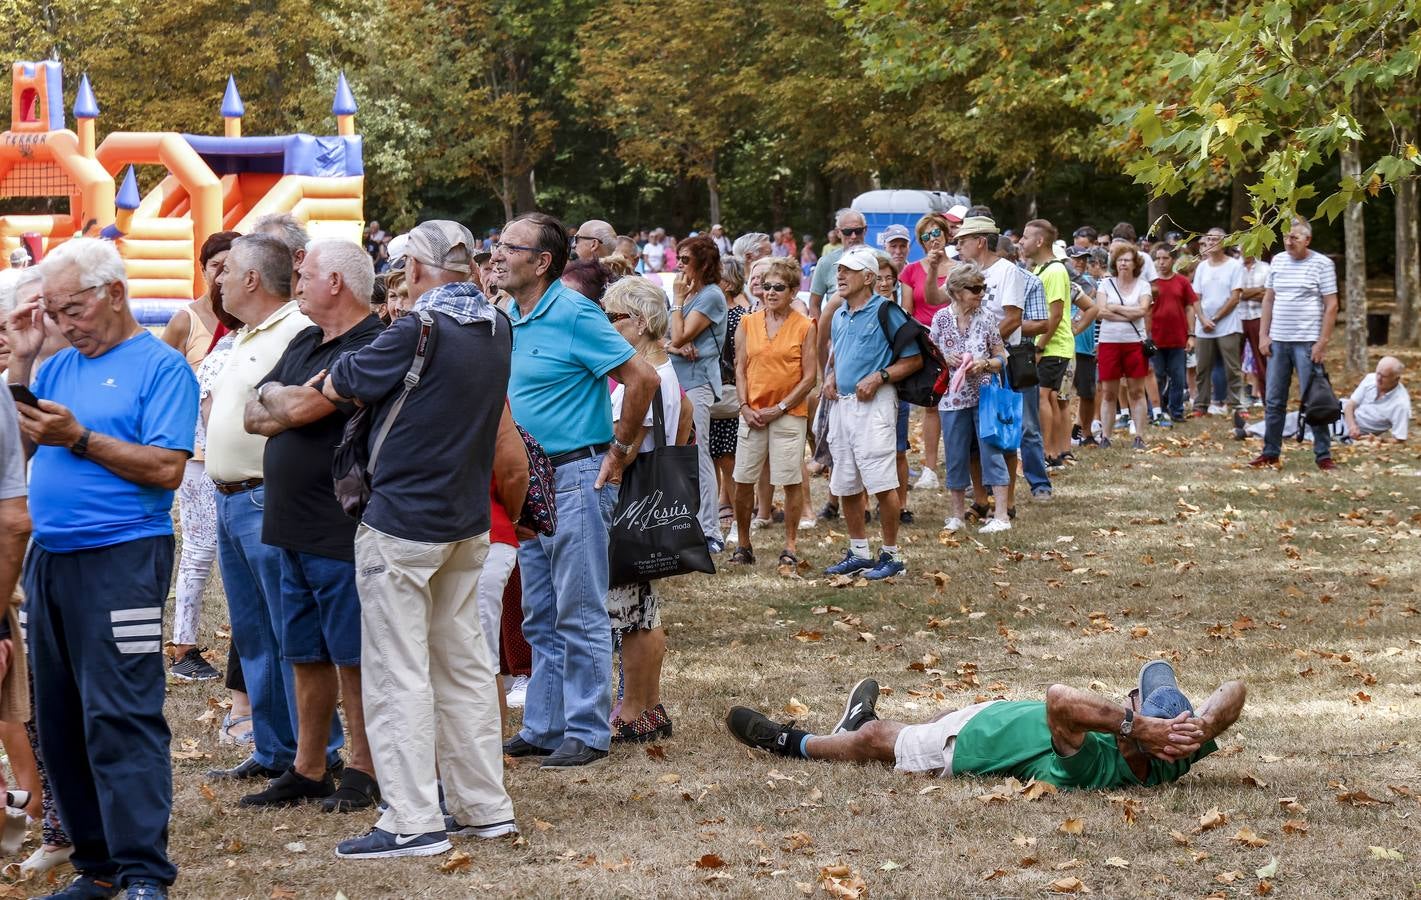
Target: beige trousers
pixel 428 682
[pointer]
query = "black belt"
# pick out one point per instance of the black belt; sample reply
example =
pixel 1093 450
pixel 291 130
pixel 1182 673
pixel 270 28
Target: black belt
pixel 579 453
pixel 228 488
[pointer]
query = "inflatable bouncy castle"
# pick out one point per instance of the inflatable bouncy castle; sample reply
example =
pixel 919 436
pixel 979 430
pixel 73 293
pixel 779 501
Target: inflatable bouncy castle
pixel 211 184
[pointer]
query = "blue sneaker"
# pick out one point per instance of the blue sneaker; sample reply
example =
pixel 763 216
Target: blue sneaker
pixel 849 565
pixel 888 566
pixel 84 887
pixel 381 844
pixel 492 830
pixel 715 545
pixel 145 890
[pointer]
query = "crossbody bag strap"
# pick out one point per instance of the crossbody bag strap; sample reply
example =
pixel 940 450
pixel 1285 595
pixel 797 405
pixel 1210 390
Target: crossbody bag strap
pixel 1121 298
pixel 421 352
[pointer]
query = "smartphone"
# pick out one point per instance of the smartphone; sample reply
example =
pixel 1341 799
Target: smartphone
pixel 23 394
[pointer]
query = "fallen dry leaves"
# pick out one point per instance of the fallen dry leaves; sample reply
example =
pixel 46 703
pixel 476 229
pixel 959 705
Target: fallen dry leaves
pixel 1068 886
pixel 841 880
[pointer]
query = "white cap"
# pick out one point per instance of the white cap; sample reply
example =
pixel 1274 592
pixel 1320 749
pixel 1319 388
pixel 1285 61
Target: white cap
pixel 862 259
pixel 397 246
pixel 1058 248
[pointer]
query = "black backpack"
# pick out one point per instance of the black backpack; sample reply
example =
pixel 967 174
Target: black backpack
pixel 1319 406
pixel 924 387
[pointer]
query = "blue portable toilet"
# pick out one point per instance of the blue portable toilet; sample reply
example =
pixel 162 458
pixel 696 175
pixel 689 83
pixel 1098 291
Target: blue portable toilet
pixel 902 207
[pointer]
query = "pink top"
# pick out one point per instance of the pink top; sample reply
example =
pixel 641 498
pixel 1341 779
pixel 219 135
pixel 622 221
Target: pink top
pixel 915 277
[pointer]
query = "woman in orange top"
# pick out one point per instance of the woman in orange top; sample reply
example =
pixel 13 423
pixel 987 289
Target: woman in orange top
pixel 775 368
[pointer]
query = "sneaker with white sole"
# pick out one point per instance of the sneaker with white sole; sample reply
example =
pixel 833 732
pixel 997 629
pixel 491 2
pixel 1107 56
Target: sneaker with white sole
pixel 517 693
pixel 193 667
pixel 382 844
pixel 858 709
pixel 888 565
pixel 926 481
pixel 994 525
pixel 807 522
pixel 952 523
pixel 453 826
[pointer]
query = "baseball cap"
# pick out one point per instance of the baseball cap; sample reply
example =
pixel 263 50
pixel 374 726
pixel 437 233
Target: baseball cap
pixel 1058 248
pixel 1160 695
pixel 895 232
pixel 957 213
pixel 1073 251
pixel 860 259
pixel 398 246
pixel 442 244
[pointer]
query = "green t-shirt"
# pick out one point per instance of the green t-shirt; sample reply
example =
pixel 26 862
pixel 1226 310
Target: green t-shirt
pixel 1012 738
pixel 1057 282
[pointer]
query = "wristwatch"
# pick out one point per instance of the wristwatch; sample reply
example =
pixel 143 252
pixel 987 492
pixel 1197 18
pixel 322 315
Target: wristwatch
pixel 781 406
pixel 883 373
pixel 619 448
pixel 1128 725
pixel 80 448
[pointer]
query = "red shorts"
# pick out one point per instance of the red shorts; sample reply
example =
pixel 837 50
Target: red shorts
pixel 1115 360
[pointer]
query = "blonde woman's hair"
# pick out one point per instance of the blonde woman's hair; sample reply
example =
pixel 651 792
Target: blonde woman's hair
pixel 782 266
pixel 641 298
pixel 618 265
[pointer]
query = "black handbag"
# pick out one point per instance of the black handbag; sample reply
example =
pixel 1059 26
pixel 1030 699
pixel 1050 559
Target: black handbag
pixel 353 464
pixel 1147 344
pixel 1021 366
pixel 655 532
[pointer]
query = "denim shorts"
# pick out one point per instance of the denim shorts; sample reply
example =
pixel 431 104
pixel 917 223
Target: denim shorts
pixel 320 610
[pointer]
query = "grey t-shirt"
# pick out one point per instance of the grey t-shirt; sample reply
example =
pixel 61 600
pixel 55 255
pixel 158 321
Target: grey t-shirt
pixel 12 455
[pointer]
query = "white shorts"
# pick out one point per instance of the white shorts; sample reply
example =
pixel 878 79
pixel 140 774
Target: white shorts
pixel 928 747
pixel 863 438
pixel 781 443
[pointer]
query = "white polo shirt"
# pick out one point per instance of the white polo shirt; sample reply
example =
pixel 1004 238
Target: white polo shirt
pixel 1379 414
pixel 232 454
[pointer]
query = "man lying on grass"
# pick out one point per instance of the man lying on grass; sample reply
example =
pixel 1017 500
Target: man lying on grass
pixel 1075 739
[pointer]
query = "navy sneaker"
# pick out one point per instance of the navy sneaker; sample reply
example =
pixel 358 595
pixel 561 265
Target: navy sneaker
pixel 889 564
pixel 715 545
pixel 145 890
pixel 492 830
pixel 84 887
pixel 849 565
pixel 858 710
pixel 381 844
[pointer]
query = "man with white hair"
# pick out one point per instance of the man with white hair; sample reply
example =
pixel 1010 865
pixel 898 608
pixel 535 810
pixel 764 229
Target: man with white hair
pixel 256 289
pixel 852 226
pixel 315 539
pixel 594 240
pixel 111 436
pixel 1380 408
pixel 751 248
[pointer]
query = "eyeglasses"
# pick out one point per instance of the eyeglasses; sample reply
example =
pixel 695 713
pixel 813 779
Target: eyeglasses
pixel 585 237
pixel 615 317
pixel 853 232
pixel 774 286
pixel 932 234
pixel 69 311
pixel 506 247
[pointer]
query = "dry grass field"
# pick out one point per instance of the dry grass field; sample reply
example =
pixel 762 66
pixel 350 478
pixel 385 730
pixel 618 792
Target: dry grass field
pixel 1300 583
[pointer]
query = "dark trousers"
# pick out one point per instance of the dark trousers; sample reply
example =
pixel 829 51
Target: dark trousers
pixel 96 632
pixel 1170 371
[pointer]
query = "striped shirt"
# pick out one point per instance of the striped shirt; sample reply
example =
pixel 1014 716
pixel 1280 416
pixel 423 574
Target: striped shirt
pixel 1254 276
pixel 1298 287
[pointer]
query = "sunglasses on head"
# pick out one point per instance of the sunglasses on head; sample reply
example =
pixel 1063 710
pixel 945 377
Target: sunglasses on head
pixel 775 286
pixel 853 231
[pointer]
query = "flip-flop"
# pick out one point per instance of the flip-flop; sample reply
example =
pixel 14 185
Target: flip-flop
pixel 788 559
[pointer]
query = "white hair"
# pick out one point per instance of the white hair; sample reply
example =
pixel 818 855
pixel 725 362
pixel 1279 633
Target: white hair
pixel 349 260
pixel 639 297
pixel 743 244
pixel 98 262
pixel 1302 225
pixel 285 227
pixel 9 288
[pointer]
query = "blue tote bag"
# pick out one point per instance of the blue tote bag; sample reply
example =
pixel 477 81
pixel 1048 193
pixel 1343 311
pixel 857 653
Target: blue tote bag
pixel 999 415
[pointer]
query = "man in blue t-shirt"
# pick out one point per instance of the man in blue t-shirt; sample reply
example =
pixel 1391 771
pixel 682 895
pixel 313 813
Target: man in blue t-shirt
pixel 110 439
pixel 863 420
pixel 564 350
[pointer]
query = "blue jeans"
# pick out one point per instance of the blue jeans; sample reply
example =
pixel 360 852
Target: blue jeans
pixel 565 616
pixel 1170 374
pixel 251 576
pixel 1033 453
pixel 1287 356
pixel 959 433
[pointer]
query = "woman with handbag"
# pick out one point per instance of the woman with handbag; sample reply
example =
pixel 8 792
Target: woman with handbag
pixel 696 336
pixel 637 309
pixel 724 426
pixel 1123 349
pixel 967 334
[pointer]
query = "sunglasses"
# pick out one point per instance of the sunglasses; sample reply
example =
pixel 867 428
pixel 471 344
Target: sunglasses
pixel 683 259
pixel 774 286
pixel 853 232
pixel 615 317
pixel 931 234
pixel 974 288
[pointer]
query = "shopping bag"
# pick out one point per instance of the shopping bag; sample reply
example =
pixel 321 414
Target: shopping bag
pixel 655 532
pixel 999 415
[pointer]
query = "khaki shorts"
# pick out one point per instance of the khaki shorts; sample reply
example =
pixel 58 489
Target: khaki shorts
pixel 781 443
pixel 864 440
pixel 928 747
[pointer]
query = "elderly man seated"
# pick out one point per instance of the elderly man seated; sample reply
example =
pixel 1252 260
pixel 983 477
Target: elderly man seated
pixel 1380 408
pixel 1075 739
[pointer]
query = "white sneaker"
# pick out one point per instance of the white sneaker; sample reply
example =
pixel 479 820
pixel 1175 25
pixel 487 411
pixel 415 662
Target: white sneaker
pixel 952 523
pixel 517 693
pixel 733 535
pixel 757 524
pixel 994 525
pixel 1216 410
pixel 926 481
pixel 807 522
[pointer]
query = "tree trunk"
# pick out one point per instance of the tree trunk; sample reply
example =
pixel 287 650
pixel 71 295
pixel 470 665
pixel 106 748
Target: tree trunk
pixel 1356 296
pixel 505 197
pixel 1154 216
pixel 1408 258
pixel 713 188
pixel 1239 205
pixel 523 197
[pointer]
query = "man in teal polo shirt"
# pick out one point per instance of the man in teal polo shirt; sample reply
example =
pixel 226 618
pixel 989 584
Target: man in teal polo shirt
pixel 564 350
pixel 1075 739
pixel 863 420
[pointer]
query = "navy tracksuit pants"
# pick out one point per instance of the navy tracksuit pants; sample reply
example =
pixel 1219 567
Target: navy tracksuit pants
pixel 96 638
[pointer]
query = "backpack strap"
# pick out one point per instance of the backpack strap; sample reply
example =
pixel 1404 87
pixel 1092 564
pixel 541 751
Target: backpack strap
pixel 422 348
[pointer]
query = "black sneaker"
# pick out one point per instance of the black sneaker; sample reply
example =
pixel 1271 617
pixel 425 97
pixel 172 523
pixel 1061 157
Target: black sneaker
pixel 192 667
pixel 516 746
pixel 247 768
pixel 830 511
pixel 754 729
pixel 1240 434
pixel 357 791
pixel 905 517
pixel 84 887
pixel 573 754
pixel 859 708
pixel 454 828
pixel 292 789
